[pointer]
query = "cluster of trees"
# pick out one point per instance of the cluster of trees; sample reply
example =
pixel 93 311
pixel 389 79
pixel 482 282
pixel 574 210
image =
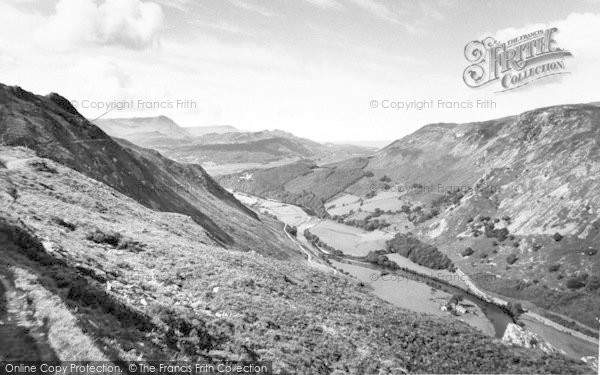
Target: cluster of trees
pixel 369 223
pixel 315 240
pixel 490 230
pixel 291 230
pixel 419 252
pixel 378 257
pixel 450 198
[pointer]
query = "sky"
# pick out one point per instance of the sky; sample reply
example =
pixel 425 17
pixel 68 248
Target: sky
pixel 327 70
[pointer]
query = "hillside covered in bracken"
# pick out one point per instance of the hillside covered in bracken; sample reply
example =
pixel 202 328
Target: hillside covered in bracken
pixel 520 192
pixel 97 276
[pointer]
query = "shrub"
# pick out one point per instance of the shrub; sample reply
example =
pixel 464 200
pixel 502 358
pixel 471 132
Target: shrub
pixel 111 238
pixel 515 309
pixel 578 281
pixel 575 283
pixel 41 166
pixel 591 252
pixel 291 230
pixel 466 252
pixel 65 224
pixel 554 268
pixel 593 283
pixel 115 240
pixel 557 237
pixel 511 259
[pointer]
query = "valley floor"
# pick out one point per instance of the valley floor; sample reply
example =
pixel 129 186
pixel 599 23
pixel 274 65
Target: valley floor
pixel 409 294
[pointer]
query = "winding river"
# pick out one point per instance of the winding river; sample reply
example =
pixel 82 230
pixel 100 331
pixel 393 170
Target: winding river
pixel 415 288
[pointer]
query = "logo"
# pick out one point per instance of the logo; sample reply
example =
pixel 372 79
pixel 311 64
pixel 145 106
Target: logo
pixel 515 63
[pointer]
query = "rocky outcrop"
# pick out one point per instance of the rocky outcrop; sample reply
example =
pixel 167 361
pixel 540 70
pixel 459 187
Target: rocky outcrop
pixel 516 335
pixel 591 361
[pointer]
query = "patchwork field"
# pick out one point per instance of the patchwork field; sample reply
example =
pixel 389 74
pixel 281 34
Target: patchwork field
pixel 350 240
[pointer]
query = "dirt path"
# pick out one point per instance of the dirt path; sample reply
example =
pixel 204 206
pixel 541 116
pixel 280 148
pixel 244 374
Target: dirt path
pixel 20 337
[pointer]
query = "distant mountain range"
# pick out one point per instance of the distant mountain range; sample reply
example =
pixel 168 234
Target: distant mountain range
pixel 224 144
pixel 112 252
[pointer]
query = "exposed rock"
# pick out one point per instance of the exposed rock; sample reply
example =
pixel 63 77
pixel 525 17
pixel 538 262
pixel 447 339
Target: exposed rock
pixel 516 335
pixel 592 361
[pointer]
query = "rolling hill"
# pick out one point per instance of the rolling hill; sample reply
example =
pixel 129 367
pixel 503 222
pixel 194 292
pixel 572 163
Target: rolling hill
pixel 224 145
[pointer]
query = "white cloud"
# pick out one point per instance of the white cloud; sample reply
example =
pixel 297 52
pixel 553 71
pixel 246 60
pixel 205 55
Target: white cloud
pixel 578 33
pixel 326 4
pixel 130 23
pixel 379 10
pixel 253 8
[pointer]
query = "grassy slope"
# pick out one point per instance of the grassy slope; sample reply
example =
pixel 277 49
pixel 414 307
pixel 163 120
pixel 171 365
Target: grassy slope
pixel 182 297
pixel 53 128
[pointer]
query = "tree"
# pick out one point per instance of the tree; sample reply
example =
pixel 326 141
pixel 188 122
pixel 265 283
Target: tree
pixel 291 230
pixel 511 259
pixel 515 309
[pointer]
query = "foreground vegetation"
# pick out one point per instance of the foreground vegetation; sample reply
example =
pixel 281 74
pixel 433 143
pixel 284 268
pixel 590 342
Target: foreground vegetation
pixel 175 294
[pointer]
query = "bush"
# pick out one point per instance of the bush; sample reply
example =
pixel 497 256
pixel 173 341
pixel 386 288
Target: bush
pixel 466 252
pixel 591 252
pixel 515 309
pixel 593 283
pixel 554 268
pixel 111 238
pixel 65 224
pixel 115 240
pixel 575 283
pixel 291 230
pixel 41 166
pixel 511 259
pixel 557 237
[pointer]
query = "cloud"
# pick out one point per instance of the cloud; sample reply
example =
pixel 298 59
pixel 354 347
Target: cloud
pixel 578 33
pixel 253 8
pixel 129 23
pixel 326 4
pixel 377 9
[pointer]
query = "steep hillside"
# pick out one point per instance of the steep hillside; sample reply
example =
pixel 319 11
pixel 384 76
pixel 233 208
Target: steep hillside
pixel 53 128
pixel 90 274
pixel 521 192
